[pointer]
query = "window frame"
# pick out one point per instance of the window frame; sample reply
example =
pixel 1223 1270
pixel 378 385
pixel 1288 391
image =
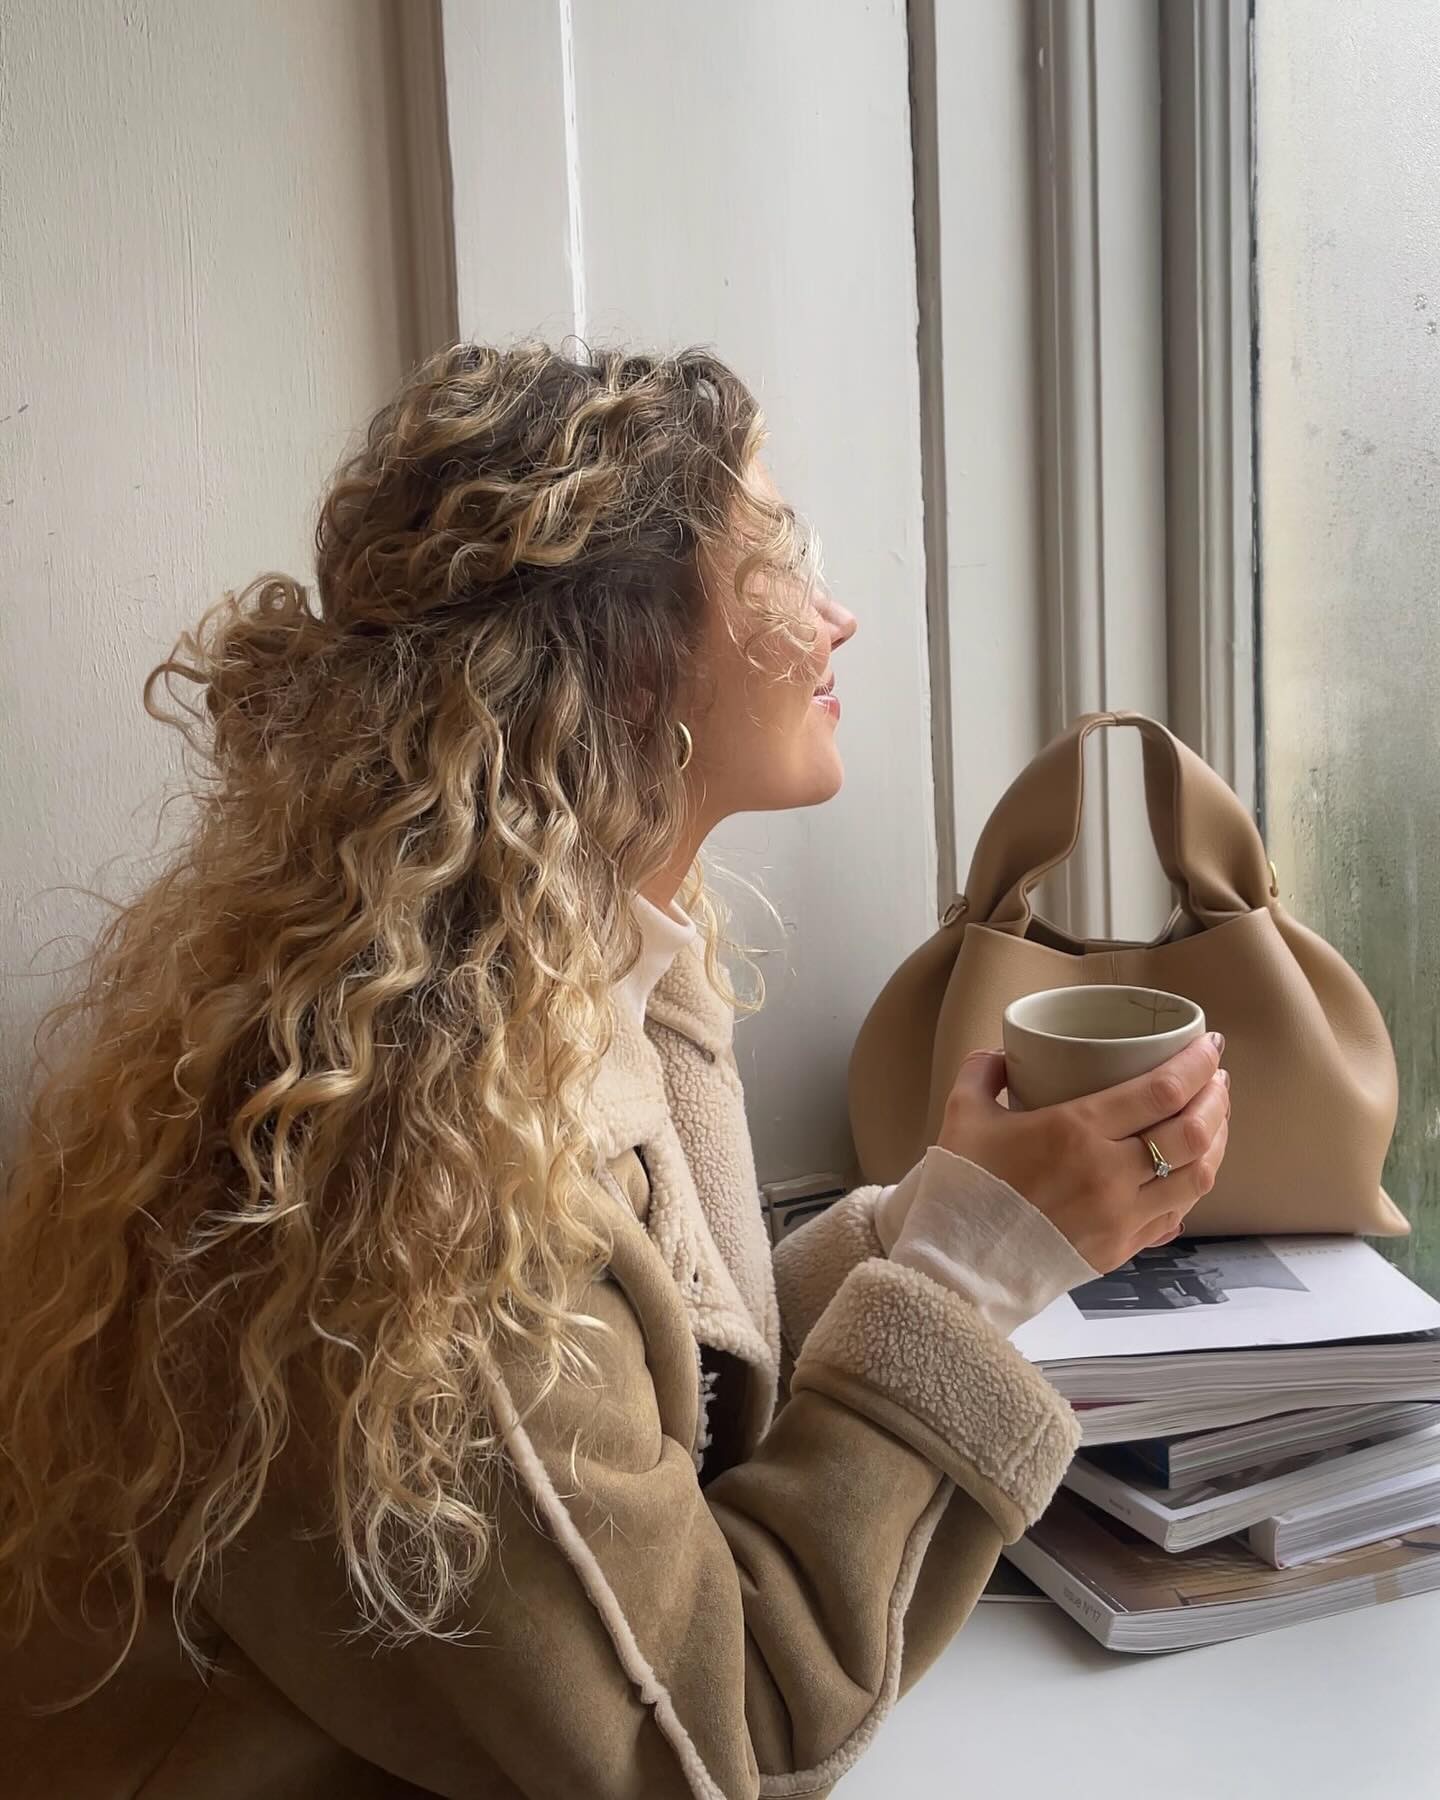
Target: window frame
pixel 1207 76
pixel 1139 456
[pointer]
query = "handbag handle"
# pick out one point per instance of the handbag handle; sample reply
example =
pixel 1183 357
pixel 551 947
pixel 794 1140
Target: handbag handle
pixel 1207 842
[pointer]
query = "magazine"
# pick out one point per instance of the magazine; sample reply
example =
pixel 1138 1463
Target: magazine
pixel 1209 1294
pixel 1210 1405
pixel 1204 1455
pixel 1383 1508
pixel 1205 1333
pixel 1132 1596
pixel 1181 1518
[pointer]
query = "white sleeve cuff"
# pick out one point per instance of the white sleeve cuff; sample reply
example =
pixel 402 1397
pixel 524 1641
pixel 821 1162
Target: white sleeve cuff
pixel 973 1233
pixel 893 1203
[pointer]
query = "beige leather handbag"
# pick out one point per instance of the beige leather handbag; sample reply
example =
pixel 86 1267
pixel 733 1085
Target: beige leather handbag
pixel 1313 1072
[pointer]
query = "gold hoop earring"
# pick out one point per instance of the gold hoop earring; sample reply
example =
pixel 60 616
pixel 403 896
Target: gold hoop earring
pixel 687 744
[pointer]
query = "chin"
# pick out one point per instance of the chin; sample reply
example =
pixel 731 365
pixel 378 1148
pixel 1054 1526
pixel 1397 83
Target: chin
pixel 810 778
pixel 822 783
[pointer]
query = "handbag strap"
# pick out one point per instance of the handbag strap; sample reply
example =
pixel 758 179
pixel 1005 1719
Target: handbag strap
pixel 1206 840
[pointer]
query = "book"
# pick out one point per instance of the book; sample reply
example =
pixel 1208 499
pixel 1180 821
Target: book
pixel 1205 1333
pixel 1203 1455
pixel 1132 1596
pixel 1181 1518
pixel 1007 1584
pixel 1383 1508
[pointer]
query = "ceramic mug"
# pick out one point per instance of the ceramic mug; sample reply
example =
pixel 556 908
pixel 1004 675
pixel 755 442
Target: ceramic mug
pixel 1066 1042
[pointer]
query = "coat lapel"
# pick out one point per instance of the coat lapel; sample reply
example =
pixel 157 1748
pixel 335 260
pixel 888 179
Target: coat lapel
pixel 673 1092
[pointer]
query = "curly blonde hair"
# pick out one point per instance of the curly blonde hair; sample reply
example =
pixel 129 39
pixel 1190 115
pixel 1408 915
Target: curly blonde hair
pixel 320 1112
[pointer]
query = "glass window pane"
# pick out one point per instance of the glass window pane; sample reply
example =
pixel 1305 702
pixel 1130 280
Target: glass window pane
pixel 1348 263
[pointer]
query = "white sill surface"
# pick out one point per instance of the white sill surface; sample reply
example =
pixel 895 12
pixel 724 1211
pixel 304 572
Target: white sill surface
pixel 1025 1706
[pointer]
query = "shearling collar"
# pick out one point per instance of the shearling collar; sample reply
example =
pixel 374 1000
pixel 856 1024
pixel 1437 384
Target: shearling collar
pixel 672 1092
pixel 685 1001
pixel 629 1088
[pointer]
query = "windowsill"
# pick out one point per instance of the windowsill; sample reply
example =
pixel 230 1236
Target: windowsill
pixel 1023 1704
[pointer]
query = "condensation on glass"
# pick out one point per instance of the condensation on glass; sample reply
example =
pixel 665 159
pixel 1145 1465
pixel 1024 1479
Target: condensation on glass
pixel 1348 249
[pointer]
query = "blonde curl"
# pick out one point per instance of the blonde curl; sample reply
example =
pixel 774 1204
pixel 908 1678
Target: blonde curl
pixel 314 1148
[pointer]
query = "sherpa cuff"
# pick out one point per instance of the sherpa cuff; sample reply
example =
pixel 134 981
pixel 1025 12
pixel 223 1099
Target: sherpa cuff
pixel 811 1263
pixel 915 1358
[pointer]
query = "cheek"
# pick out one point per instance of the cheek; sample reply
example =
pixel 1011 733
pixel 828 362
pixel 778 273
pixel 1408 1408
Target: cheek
pixel 779 690
pixel 765 730
pixel 796 701
pixel 806 674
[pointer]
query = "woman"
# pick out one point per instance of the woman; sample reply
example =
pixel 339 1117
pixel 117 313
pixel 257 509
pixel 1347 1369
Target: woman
pixel 389 1339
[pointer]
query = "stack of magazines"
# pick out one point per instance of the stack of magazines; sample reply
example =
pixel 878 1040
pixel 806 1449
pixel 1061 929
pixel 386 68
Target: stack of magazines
pixel 1261 1441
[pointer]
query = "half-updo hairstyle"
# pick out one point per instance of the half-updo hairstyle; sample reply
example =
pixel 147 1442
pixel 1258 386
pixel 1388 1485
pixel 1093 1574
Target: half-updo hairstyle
pixel 316 1113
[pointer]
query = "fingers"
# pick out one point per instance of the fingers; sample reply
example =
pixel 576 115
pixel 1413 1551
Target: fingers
pixel 1186 1138
pixel 1164 1230
pixel 981 1076
pixel 1182 1192
pixel 1140 1105
pixel 1176 1197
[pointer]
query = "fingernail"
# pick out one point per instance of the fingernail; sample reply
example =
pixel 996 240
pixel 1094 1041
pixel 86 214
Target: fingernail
pixel 1217 1038
pixel 1225 1076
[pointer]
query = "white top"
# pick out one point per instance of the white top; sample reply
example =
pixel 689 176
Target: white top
pixel 663 935
pixel 949 1218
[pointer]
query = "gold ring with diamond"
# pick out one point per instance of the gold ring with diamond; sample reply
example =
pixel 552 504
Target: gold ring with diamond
pixel 1163 1171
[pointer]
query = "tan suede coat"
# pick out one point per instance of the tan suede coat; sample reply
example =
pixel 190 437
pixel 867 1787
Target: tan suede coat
pixel 694 1594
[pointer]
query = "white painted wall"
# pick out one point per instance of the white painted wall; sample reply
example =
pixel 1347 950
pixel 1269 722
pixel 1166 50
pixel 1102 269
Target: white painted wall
pixel 740 175
pixel 197 260
pixel 991 328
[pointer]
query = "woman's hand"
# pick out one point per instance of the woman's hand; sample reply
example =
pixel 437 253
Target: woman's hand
pixel 1085 1164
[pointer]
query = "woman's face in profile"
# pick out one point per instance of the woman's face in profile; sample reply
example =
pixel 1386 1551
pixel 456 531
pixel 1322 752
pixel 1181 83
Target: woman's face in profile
pixel 765 724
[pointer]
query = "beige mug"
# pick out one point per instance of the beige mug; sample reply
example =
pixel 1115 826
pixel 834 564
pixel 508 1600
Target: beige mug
pixel 1065 1042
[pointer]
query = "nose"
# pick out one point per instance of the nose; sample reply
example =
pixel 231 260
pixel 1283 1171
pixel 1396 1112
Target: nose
pixel 840 620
